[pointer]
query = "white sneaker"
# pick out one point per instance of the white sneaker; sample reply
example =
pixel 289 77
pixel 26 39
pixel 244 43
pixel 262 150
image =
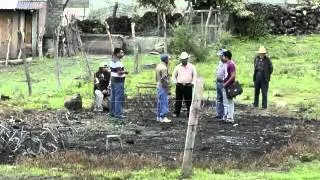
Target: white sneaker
pixel 165 120
pixel 230 120
pixel 158 118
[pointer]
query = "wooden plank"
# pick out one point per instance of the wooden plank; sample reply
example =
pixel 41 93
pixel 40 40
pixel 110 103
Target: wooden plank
pixel 34 33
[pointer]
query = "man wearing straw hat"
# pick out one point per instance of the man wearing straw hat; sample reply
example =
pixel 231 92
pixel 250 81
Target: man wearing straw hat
pixel 262 72
pixel 184 76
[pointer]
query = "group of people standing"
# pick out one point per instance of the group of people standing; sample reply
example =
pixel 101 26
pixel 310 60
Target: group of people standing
pixel 226 75
pixel 111 82
pixel 183 76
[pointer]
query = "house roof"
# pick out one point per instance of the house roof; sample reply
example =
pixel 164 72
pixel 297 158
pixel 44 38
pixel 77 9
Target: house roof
pixel 22 4
pixel 31 4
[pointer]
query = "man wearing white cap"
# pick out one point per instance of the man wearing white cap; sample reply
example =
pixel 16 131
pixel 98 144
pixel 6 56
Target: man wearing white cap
pixel 221 74
pixel 101 86
pixel 262 72
pixel 184 76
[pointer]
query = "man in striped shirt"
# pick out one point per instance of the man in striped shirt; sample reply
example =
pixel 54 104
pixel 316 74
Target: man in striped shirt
pixel 184 76
pixel 118 75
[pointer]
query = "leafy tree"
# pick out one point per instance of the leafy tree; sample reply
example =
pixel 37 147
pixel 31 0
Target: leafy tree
pixel 162 6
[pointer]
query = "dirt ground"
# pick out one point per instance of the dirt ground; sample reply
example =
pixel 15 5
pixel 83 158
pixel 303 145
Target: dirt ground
pixel 253 135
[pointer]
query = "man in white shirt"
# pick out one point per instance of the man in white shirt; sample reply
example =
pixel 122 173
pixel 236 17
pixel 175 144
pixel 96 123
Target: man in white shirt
pixel 184 76
pixel 118 75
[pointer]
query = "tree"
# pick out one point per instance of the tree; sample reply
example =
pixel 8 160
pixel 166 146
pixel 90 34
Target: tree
pixel 233 6
pixel 163 7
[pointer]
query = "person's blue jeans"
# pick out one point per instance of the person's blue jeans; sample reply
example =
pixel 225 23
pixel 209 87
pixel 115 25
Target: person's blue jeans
pixel 162 102
pixel 219 100
pixel 117 99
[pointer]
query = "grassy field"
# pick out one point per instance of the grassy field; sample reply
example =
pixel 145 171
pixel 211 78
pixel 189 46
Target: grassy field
pixel 293 85
pixel 309 171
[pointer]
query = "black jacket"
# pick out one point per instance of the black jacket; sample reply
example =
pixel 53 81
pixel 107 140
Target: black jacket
pixel 267 68
pixel 101 80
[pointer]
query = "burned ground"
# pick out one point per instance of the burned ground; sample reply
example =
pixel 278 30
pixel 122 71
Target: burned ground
pixel 251 137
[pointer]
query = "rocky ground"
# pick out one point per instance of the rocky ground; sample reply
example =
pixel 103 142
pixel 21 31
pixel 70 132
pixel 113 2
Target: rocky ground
pixel 253 135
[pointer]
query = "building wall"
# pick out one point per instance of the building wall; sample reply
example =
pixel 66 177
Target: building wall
pixel 4 34
pixel 55 11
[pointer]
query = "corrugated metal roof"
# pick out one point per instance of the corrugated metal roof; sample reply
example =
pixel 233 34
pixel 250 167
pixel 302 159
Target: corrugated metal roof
pixel 8 4
pixel 25 5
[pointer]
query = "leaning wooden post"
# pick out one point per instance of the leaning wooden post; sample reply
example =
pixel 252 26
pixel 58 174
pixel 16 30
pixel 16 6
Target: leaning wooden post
pixel 26 68
pixel 135 48
pixel 192 128
pixel 206 28
pixel 56 56
pixel 165 33
pixel 109 35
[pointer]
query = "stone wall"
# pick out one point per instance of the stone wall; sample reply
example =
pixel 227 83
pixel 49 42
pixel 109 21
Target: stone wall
pixel 55 11
pixel 289 20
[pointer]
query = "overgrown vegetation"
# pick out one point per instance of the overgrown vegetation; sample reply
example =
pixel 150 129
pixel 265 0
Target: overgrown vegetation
pixel 185 40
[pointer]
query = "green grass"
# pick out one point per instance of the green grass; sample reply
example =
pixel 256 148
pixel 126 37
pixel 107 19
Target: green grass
pixel 301 171
pixel 296 73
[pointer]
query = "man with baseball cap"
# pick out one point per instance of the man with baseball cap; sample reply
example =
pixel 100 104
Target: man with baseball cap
pixel 221 74
pixel 184 76
pixel 162 78
pixel 101 86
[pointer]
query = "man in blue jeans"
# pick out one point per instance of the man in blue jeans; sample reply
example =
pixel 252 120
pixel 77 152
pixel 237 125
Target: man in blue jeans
pixel 220 75
pixel 162 78
pixel 118 75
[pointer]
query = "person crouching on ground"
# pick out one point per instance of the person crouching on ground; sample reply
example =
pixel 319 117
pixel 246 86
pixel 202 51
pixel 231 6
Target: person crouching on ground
pixel 101 86
pixel 162 78
pixel 184 76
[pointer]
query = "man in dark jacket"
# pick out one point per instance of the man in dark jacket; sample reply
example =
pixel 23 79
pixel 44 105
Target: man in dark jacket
pixel 101 87
pixel 262 72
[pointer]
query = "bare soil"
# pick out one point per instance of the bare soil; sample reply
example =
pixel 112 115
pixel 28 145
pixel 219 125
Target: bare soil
pixel 253 135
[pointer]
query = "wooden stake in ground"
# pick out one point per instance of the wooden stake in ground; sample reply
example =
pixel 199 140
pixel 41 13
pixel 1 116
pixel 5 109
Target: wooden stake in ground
pixel 192 128
pixel 9 41
pixel 109 35
pixel 56 56
pixel 135 48
pixel 165 33
pixel 26 68
pixel 206 28
pixel 84 54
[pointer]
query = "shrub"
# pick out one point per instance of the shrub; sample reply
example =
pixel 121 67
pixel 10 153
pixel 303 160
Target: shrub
pixel 185 40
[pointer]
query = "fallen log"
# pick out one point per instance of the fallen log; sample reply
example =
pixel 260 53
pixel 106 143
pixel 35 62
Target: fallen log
pixel 16 61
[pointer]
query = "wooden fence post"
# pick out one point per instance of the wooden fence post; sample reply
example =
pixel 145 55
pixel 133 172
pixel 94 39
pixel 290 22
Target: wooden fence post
pixel 135 48
pixel 192 128
pixel 26 68
pixel 206 28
